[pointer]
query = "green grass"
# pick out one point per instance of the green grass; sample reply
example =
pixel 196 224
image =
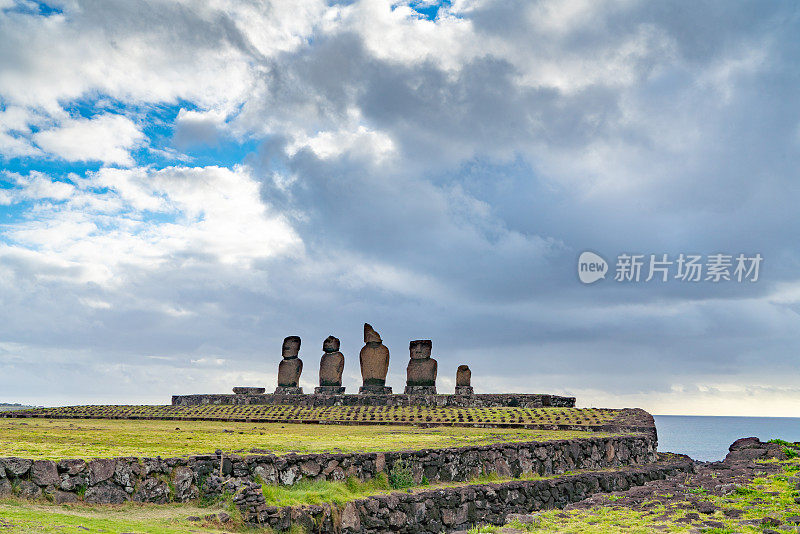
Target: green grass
pixel 768 496
pixel 103 438
pixel 417 415
pixel 26 517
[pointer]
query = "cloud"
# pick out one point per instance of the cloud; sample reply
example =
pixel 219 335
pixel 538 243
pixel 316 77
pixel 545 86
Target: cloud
pixel 118 217
pixel 107 138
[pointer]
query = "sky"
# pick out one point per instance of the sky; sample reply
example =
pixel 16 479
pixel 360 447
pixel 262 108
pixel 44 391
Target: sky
pixel 183 184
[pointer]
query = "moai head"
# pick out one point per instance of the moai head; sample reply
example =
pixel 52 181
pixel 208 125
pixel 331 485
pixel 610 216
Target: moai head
pixel 370 335
pixel 420 349
pixel 291 347
pixel 331 344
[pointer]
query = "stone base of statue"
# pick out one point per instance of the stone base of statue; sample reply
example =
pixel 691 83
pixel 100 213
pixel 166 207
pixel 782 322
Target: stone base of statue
pixel 288 390
pixel 375 390
pixel 241 390
pixel 329 390
pixel 420 390
pixel 464 390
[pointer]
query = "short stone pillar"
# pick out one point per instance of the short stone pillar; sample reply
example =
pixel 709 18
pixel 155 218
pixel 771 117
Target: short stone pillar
pixel 374 359
pixel 464 380
pixel 330 368
pixel 421 370
pixel 290 368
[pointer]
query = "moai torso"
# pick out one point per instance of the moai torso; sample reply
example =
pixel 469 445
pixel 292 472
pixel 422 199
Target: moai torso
pixel 421 370
pixel 374 358
pixel 291 366
pixel 463 376
pixel 332 363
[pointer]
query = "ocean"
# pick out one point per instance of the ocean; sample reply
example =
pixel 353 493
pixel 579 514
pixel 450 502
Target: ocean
pixel 707 438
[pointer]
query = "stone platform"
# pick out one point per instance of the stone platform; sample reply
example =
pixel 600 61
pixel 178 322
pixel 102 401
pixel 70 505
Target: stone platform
pixel 485 400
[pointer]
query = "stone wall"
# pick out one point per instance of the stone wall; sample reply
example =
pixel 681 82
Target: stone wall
pixel 449 509
pixel 180 479
pixel 491 400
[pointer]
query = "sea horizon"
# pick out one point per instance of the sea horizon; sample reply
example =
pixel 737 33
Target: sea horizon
pixel 707 437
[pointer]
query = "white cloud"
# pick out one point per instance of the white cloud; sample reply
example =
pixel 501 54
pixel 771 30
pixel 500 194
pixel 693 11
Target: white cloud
pixel 370 144
pixel 213 214
pixel 105 138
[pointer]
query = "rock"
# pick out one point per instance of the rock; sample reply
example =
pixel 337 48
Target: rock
pixel 64 497
pixel 331 365
pixel 152 490
pixel 29 490
pixel 421 370
pixel 5 487
pixel 183 477
pixel 705 507
pixel 44 473
pixel 745 443
pixel 374 358
pixel 17 466
pixel 124 476
pixel 351 520
pixel 101 470
pixel 71 467
pixel 397 519
pixel 223 517
pixel 310 468
pixel 105 494
pixel 193 518
pixel 291 366
pixel 771 522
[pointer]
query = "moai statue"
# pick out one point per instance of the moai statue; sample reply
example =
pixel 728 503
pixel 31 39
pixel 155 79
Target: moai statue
pixel 290 368
pixel 374 359
pixel 463 380
pixel 421 370
pixel 330 368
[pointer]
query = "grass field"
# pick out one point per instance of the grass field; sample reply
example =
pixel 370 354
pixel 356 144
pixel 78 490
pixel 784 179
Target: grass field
pixel 419 415
pixel 99 438
pixel 17 517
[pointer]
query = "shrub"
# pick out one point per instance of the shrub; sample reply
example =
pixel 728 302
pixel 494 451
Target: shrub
pixel 401 475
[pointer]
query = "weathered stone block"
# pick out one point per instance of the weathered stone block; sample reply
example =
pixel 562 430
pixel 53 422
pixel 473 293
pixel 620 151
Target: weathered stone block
pixel 241 390
pixel 329 390
pixel 151 490
pixel 374 390
pixel 183 478
pixel 101 470
pixel 17 467
pixel 44 473
pixel 5 487
pixel 420 390
pixel 105 494
pixel 28 490
pixel 71 467
pixel 288 390
pixel 64 497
